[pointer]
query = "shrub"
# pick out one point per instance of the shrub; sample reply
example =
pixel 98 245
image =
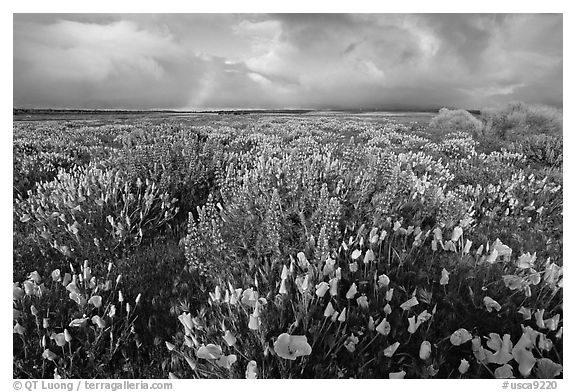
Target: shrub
pixel 93 212
pixel 543 150
pixel 456 120
pixel 519 119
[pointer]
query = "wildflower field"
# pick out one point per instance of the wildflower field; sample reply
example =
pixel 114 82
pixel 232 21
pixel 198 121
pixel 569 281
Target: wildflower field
pixel 284 246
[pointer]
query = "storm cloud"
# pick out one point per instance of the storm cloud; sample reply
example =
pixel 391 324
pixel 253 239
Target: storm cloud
pixel 214 61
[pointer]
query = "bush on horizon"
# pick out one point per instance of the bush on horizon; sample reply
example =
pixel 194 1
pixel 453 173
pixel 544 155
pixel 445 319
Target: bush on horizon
pixel 456 120
pixel 519 119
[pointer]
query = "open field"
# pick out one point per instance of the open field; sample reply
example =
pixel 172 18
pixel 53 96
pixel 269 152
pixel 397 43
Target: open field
pixel 315 245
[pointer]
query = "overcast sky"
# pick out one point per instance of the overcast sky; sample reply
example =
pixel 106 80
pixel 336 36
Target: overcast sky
pixel 213 61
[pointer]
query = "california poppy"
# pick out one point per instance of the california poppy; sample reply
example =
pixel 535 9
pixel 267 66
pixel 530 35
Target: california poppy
pixel 432 370
pixel 35 276
pixel 49 355
pixel 383 281
pixel 249 297
pixel 56 277
pixel 170 346
pixel 342 316
pixel 362 301
pixel 504 371
pixel 192 363
pixel 547 369
pixel 424 316
pixel 456 234
pixel 464 366
pixel 229 338
pixel 251 370
pixel 492 256
pixel 491 304
pixel 303 283
pixel 95 300
pixel 425 350
pixel 17 292
pixel 389 294
pixel 333 287
pixel 539 317
pixel 502 250
pixel 479 351
pixel 467 247
pixel 99 321
pixel 552 273
pixel 254 323
pixel 19 329
pixel 514 282
pixel 329 311
pixel 502 348
pixel 526 260
pixel 525 312
pixel 302 260
pixel 329 266
pixel 409 303
pixel 384 327
pixel 292 346
pixel 397 375
pixel 321 289
pixel 371 323
pixel 445 277
pixel 552 323
pixel 209 351
pixel 67 279
pixel 522 353
pixel 387 309
pixel 369 256
pixel 413 324
pixel 351 343
pixel 460 336
pixel 352 291
pixel 284 273
pixel 437 234
pixel 81 322
pixel 78 298
pixel 30 288
pixel 282 289
pixel 545 344
pixel 216 296
pixel 334 316
pixel 226 361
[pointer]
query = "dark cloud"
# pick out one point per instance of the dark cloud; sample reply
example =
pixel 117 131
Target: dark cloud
pixel 144 61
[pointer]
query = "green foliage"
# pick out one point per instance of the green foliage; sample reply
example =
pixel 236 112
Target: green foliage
pixel 456 120
pixel 93 212
pixel 544 150
pixel 75 325
pixel 517 120
pixel 245 236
